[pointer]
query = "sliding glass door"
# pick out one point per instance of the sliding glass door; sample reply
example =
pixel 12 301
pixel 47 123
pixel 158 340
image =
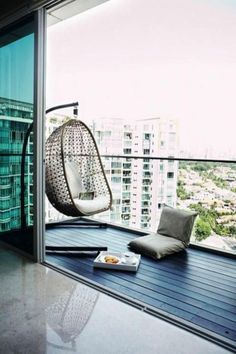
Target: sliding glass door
pixel 17 112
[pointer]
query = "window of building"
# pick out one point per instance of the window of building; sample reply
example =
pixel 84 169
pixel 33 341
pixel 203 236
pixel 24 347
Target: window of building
pixel 170 174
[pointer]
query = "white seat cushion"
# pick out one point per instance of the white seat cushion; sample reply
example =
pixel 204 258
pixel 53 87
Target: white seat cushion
pixel 96 205
pixel 73 178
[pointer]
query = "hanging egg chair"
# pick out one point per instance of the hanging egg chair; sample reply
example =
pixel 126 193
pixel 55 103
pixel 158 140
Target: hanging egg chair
pixel 76 184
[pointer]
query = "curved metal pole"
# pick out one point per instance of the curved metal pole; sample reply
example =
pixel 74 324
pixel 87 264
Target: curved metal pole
pixel 73 104
pixel 25 143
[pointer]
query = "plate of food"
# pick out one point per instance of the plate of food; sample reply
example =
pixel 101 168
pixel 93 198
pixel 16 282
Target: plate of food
pixel 117 260
pixel 110 259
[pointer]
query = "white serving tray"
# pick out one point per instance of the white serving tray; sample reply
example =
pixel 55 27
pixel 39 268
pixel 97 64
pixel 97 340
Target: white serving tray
pixel 129 261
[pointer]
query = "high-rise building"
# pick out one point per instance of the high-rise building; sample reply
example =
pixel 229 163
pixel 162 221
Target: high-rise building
pixel 140 185
pixel 15 117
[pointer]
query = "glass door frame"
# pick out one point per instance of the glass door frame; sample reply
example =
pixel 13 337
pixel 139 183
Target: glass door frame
pixel 39 23
pixel 39 101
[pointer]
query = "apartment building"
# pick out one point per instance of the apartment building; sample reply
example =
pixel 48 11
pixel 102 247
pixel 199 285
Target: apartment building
pixel 15 117
pixel 136 199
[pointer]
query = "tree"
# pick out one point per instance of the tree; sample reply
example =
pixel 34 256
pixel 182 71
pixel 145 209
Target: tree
pixel 232 230
pixel 207 215
pixel 200 167
pixel 181 191
pixel 202 229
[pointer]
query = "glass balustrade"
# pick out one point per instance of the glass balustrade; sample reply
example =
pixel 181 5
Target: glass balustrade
pixel 209 187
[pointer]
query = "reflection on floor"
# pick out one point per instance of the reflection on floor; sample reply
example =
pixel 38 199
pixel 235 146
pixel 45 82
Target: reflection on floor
pixel 43 311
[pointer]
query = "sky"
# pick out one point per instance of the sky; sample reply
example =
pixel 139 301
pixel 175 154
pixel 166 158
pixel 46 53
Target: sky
pixel 135 59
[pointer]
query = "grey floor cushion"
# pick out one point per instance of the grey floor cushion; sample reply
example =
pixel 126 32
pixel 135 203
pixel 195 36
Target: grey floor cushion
pixel 177 223
pixel 173 234
pixel 156 245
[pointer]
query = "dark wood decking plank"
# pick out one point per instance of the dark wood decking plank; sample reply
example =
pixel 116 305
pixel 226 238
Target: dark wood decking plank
pixel 219 279
pixel 180 274
pixel 90 240
pixel 119 246
pixel 203 275
pixel 227 304
pixel 189 297
pixel 99 233
pixel 201 264
pixel 217 264
pixel 185 289
pixel 227 261
pixel 204 290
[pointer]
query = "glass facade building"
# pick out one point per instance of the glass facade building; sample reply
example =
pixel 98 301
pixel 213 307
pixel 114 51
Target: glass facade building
pixel 15 118
pixel 17 46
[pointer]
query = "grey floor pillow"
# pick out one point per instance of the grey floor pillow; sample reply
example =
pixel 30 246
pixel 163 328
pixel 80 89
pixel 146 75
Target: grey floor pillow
pixel 173 234
pixel 156 245
pixel 177 223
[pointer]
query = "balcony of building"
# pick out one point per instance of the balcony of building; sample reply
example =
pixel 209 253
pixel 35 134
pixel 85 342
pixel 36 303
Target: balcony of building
pixel 194 288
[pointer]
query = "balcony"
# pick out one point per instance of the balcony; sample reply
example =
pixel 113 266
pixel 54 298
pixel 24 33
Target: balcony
pixel 194 288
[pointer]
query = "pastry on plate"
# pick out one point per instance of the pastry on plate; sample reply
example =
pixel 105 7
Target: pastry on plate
pixel 111 259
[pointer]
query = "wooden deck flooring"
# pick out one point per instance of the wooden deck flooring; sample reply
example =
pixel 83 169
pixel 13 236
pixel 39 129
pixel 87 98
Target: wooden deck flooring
pixel 193 285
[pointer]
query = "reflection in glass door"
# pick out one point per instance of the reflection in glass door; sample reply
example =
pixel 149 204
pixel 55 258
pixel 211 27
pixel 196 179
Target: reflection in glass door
pixel 16 115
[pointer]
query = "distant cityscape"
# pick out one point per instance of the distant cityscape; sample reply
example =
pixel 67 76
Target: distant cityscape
pixel 140 181
pixel 210 189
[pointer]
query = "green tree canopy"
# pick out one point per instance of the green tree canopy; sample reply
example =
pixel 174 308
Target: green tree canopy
pixel 202 229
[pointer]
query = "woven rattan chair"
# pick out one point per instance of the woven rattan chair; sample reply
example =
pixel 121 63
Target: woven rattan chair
pixel 76 184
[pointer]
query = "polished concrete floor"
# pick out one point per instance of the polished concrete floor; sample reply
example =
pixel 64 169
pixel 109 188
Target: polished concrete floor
pixel 42 311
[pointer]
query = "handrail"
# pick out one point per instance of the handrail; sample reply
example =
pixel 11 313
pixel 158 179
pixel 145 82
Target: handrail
pixel 134 157
pixel 170 158
pixel 142 157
